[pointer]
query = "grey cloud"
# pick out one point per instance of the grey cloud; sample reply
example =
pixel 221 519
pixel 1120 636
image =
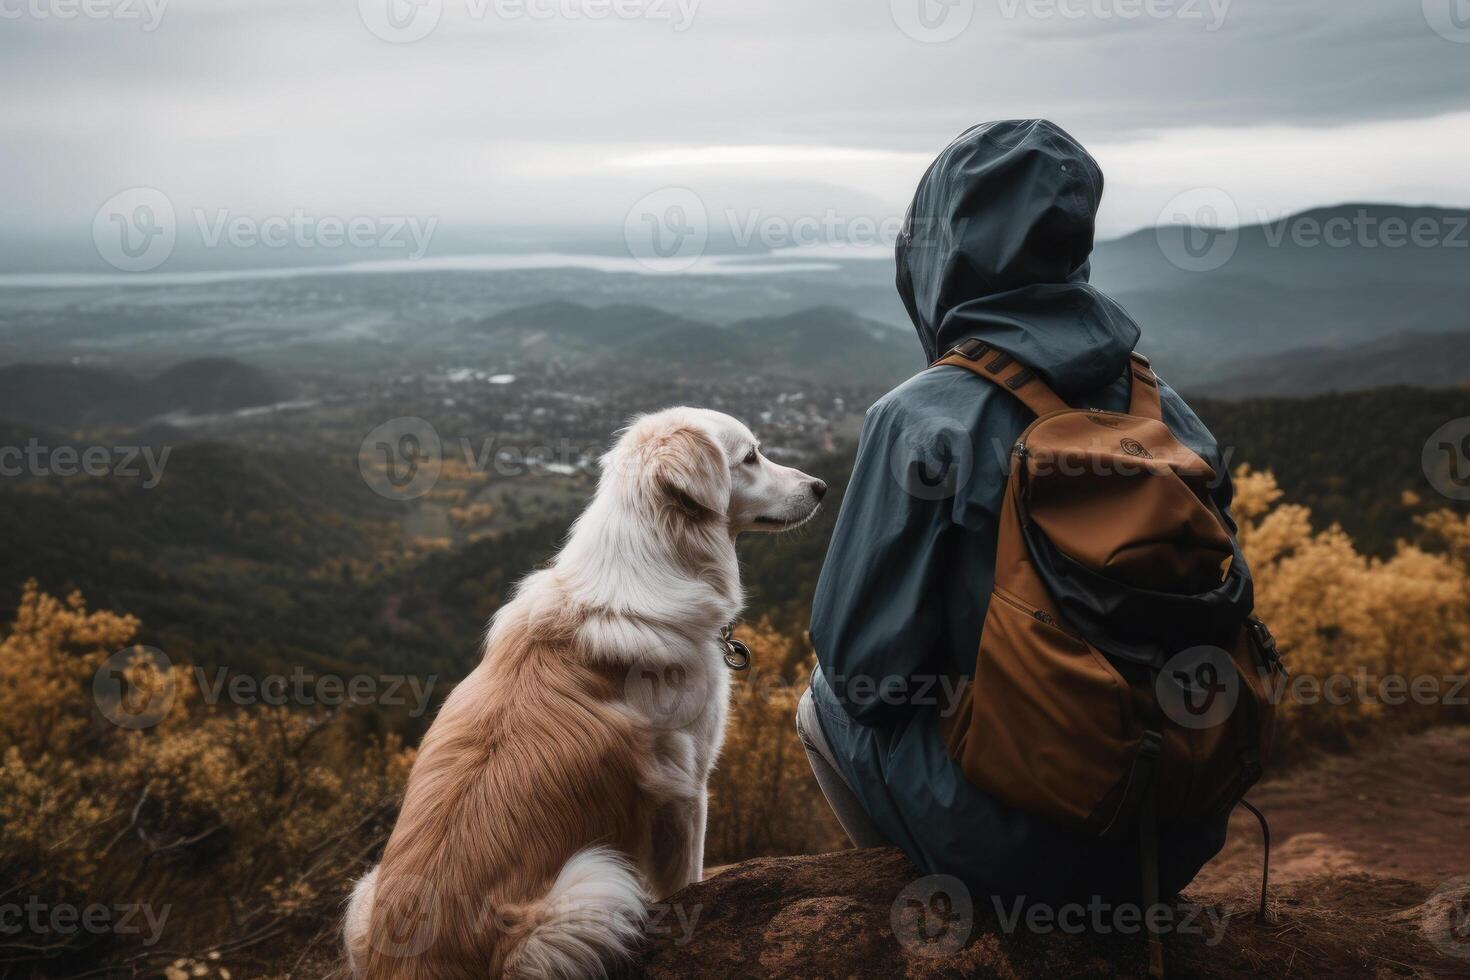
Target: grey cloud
pixel 239 99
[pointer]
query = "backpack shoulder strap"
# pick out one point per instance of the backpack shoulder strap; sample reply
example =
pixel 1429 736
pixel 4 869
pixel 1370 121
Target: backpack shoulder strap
pixel 1004 370
pixel 1144 398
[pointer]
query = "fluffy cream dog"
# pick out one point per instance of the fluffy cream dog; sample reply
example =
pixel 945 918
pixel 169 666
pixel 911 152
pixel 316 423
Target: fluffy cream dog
pixel 563 784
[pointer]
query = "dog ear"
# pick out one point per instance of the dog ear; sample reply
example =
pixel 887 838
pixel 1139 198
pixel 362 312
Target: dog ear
pixel 688 469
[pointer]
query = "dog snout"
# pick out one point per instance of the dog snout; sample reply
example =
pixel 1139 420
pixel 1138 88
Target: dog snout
pixel 819 489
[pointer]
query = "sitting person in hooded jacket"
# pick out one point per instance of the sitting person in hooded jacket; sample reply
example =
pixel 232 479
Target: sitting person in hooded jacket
pixel 995 247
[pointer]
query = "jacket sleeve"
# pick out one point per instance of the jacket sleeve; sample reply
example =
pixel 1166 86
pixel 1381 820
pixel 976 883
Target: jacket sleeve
pixel 895 603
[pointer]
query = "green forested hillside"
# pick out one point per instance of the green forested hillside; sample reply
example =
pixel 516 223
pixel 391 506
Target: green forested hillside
pixel 1349 457
pixel 259 560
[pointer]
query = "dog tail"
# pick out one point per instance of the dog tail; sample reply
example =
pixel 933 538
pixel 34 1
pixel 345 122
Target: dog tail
pixel 592 916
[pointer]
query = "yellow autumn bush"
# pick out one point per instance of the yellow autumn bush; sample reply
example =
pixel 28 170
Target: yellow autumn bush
pixel 241 828
pixel 763 799
pixel 1371 641
pixel 222 832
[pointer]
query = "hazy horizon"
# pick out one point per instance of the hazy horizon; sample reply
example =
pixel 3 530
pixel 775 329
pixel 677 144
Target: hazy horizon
pixel 492 119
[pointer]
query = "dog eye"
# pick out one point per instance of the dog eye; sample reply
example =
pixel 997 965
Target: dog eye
pixel 750 457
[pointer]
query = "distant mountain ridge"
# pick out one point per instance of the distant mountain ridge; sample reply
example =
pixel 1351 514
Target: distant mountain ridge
pixel 827 342
pixel 71 396
pixel 1324 279
pixel 1426 360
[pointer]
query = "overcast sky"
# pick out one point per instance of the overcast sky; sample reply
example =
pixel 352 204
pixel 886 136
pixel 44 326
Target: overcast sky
pixel 519 113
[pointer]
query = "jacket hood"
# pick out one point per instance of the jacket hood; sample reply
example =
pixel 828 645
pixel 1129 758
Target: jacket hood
pixel 995 246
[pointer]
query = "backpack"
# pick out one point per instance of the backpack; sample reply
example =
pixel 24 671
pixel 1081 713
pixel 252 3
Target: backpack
pixel 1121 683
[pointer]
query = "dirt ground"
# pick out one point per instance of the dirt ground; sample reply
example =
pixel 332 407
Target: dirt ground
pixel 1399 810
pixel 1370 878
pixel 1361 845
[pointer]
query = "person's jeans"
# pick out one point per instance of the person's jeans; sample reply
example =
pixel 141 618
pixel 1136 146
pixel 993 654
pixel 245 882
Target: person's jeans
pixel 840 798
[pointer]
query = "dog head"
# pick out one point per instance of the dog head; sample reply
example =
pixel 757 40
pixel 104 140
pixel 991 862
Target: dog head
pixel 707 467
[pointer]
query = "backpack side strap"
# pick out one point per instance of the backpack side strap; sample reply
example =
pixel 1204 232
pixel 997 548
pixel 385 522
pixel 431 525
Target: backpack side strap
pixel 1143 401
pixel 1007 372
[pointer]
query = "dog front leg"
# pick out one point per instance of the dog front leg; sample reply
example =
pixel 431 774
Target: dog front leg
pixel 673 847
pixel 701 821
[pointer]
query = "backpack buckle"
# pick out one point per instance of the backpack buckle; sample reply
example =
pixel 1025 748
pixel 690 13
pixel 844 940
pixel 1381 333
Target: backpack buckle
pixel 1266 644
pixel 970 350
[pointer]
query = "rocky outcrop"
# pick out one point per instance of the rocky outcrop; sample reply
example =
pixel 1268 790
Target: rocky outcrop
pixel 870 914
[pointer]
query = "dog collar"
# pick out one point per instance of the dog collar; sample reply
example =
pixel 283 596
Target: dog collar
pixel 737 654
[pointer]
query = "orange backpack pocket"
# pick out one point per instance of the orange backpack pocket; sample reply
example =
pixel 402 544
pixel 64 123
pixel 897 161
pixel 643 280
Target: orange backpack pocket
pixel 1038 680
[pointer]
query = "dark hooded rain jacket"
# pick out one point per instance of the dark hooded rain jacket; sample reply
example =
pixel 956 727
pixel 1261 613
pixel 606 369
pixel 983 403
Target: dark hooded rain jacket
pixel 995 247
